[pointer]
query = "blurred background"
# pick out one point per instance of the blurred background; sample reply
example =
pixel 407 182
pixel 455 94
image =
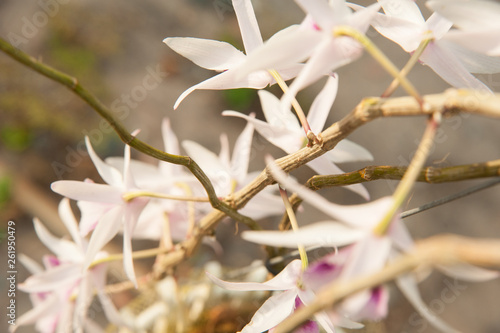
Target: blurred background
pixel 112 46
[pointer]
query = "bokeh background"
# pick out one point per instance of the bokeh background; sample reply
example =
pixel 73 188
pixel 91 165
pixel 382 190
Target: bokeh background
pixel 111 46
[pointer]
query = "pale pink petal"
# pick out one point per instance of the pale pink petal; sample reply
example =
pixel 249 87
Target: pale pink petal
pixel 64 249
pixel 484 41
pixel 249 27
pixel 438 25
pixel 99 279
pixel 400 235
pixel 76 190
pixel 48 307
pixel 320 108
pixel 348 151
pixel 83 301
pixel 326 233
pixel 31 265
pixel 323 14
pixel 473 61
pixel 109 174
pixel 91 213
pixel 206 53
pixel 286 279
pixel 362 18
pixel 406 33
pixel 131 216
pixel 53 279
pixel 70 222
pixel 408 286
pixel 446 65
pixel 272 312
pixel 470 15
pixel 276 115
pixel 109 225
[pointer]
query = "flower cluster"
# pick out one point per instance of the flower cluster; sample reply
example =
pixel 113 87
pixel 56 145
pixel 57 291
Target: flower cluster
pixel 165 203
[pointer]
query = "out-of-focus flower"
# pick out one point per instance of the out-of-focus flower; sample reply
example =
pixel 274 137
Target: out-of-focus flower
pixel 404 24
pixel 225 58
pixel 229 174
pixel 283 130
pixel 62 292
pixel 107 206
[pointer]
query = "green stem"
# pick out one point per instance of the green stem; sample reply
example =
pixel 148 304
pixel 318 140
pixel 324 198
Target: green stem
pixel 73 84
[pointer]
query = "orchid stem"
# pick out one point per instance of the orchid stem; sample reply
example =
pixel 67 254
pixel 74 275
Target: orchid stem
pixel 412 173
pixel 408 67
pixel 295 226
pixel 298 109
pixel 382 59
pixel 135 255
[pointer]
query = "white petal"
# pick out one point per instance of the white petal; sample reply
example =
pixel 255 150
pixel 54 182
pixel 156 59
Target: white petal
pixel 227 80
pixel 76 190
pixel 206 53
pixel 403 9
pixel 406 33
pixel 276 115
pixel 326 233
pixel 106 229
pixel 408 286
pixel 31 265
pixel 473 61
pixel 484 41
pixel 64 249
pixel 53 279
pixel 323 14
pixel 109 174
pixel 249 27
pixel 320 108
pixel 286 279
pixel 471 15
pixel 272 312
pixel 70 222
pixel 446 65
pixel 438 25
pixel 48 307
pixel 98 277
pixel 468 272
pixel 348 151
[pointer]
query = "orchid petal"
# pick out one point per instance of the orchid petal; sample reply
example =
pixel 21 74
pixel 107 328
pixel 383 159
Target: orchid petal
pixel 47 307
pixel 446 65
pixel 249 28
pixel 224 151
pixel 285 51
pixel 69 220
pixel 31 265
pixel 108 226
pixel 286 279
pixel 275 114
pixel 64 249
pixel 323 14
pixel 484 41
pixel 320 108
pixel 109 174
pixel 473 61
pixel 227 80
pixel 438 25
pixel 470 15
pixel 348 151
pixel 131 216
pixel 404 9
pixel 468 272
pixel 408 286
pixel 326 233
pixel 99 279
pixel 91 213
pixel 76 190
pixel 206 53
pixel 53 279
pixel 272 312
pixel 83 301
pixel 403 32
